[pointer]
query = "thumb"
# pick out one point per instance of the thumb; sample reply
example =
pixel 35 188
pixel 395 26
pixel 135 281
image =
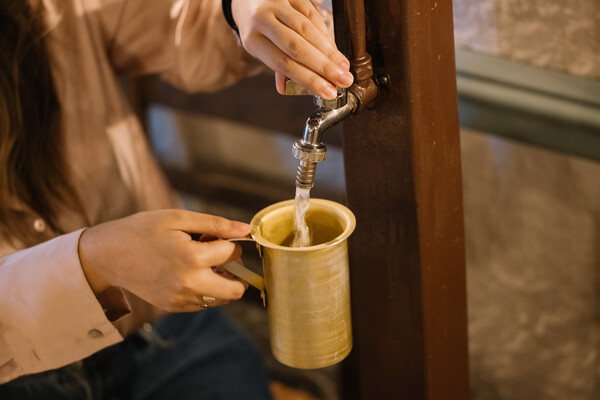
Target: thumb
pixel 212 225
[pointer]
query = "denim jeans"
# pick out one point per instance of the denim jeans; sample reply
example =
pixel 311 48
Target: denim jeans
pixel 201 356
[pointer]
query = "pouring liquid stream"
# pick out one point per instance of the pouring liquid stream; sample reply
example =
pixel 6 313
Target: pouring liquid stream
pixel 302 235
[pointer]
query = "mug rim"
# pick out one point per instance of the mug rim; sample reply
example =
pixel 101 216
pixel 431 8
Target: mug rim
pixel 341 209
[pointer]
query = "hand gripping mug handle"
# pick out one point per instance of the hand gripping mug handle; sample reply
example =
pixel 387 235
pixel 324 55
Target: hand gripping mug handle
pixel 244 273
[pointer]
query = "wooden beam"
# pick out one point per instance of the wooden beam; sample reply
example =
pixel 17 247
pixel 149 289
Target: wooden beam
pixel 403 180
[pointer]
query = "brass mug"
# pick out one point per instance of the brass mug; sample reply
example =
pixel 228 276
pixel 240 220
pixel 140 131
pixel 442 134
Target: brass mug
pixel 307 288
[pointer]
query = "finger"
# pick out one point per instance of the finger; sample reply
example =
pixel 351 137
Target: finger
pixel 306 29
pixel 209 283
pixel 193 222
pixel 205 301
pixel 308 9
pixel 300 50
pixel 199 295
pixel 207 238
pixel 195 306
pixel 215 252
pixel 280 62
pixel 280 81
pixel 220 270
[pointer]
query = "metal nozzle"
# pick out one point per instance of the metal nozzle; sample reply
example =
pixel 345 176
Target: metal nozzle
pixel 308 156
pixel 305 175
pixel 309 153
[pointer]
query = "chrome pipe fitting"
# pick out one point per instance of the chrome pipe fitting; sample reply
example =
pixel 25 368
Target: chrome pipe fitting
pixel 309 150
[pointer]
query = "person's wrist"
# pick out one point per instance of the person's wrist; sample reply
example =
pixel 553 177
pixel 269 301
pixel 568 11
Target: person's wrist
pixel 228 13
pixel 86 249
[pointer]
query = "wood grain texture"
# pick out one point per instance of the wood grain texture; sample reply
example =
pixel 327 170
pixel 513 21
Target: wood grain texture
pixel 403 179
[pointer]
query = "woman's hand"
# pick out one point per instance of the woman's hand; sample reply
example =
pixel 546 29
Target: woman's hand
pixel 290 37
pixel 152 255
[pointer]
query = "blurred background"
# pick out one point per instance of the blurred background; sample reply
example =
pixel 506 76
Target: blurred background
pixel 528 76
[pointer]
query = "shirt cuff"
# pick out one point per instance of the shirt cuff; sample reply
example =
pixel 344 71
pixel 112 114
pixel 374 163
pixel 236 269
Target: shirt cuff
pixel 49 316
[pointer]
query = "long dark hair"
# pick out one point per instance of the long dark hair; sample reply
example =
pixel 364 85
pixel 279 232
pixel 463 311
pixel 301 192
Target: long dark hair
pixel 31 160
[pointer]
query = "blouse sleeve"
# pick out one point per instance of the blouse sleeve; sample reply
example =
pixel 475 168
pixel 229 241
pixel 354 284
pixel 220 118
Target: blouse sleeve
pixel 49 316
pixel 187 42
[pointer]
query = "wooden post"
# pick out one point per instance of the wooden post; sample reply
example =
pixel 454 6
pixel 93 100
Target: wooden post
pixel 403 179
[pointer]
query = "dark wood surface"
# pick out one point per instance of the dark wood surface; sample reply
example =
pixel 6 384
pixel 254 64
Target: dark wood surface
pixel 403 180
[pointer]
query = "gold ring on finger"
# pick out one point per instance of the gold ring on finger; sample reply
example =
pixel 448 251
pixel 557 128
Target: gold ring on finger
pixel 207 301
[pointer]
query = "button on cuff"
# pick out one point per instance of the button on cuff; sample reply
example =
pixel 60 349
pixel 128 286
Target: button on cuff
pixel 95 334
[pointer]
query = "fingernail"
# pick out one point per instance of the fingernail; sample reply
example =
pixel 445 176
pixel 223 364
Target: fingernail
pixel 346 79
pixel 330 92
pixel 344 63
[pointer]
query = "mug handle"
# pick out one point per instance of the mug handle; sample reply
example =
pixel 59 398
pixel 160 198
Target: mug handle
pixel 244 273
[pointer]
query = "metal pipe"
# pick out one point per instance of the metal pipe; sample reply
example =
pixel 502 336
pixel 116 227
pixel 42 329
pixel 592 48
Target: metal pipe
pixel 355 17
pixel 364 87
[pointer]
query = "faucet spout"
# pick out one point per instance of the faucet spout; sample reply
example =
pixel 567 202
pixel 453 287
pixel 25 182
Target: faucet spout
pixel 322 120
pixel 310 150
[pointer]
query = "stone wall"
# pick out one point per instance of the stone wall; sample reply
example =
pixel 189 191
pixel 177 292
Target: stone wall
pixel 559 34
pixel 532 219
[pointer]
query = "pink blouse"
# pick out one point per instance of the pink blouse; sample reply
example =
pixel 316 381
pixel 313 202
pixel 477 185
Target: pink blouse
pixel 49 316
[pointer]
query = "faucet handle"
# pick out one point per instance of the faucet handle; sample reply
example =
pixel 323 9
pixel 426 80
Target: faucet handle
pixel 340 100
pixel 294 89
